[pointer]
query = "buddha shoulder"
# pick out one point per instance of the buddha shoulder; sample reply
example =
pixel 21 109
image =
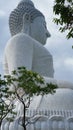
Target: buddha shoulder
pixel 20 38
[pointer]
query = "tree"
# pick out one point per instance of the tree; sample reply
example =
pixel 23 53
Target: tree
pixel 31 84
pixel 5 107
pixel 64 10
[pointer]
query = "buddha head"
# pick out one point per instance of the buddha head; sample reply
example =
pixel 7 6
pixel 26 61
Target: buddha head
pixel 27 19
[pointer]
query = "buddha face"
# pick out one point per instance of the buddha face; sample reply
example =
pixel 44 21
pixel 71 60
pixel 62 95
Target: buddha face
pixel 38 30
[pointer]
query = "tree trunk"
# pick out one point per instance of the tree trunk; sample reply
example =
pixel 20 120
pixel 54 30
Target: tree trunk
pixel 23 122
pixel 0 124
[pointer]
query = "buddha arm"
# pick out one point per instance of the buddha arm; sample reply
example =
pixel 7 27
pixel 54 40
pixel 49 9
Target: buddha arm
pixel 60 83
pixel 19 52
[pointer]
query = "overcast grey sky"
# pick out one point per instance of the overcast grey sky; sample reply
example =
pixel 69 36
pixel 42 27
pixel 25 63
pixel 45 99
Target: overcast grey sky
pixel 57 44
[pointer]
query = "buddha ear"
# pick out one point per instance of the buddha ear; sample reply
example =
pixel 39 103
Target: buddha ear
pixel 26 23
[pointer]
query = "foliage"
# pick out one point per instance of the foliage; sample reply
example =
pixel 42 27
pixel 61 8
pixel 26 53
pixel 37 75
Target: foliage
pixel 64 10
pixel 5 107
pixel 31 84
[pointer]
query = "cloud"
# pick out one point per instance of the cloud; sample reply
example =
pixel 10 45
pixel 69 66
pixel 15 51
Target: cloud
pixel 1 64
pixel 2 13
pixel 69 62
pixel 10 5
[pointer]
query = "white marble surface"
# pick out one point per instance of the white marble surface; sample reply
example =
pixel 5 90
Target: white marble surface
pixel 42 122
pixel 22 50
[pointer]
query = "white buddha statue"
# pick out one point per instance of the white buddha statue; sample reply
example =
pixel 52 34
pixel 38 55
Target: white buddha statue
pixel 26 48
pixel 29 34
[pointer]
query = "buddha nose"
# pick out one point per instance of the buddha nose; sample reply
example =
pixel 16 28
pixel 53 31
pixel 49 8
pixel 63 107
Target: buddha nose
pixel 48 34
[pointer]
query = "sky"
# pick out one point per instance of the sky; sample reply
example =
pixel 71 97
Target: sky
pixel 57 44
